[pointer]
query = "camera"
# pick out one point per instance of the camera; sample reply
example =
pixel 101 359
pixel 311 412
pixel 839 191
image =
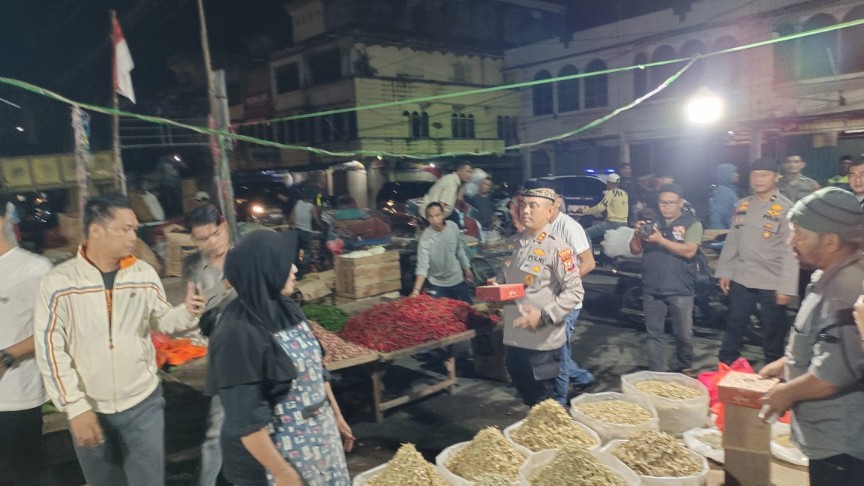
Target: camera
pixel 647 228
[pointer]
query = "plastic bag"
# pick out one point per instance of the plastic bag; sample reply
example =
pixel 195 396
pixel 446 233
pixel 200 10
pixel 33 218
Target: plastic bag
pixel 676 416
pixel 692 441
pixel 711 378
pixel 537 461
pixel 616 242
pixel 528 452
pixel 792 455
pixel 607 431
pixel 360 479
pixel 695 480
pixel 443 458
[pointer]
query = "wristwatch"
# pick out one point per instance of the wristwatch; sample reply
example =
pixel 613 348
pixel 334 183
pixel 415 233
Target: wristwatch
pixel 7 359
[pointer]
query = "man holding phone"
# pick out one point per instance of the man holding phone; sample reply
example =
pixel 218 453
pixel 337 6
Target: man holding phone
pixel 205 270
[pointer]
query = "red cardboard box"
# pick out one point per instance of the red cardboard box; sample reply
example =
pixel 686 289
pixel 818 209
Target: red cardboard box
pixel 499 293
pixel 744 389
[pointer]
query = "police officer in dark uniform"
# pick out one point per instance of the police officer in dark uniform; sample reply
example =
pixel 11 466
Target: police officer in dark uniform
pixel 534 326
pixel 668 247
pixel 757 266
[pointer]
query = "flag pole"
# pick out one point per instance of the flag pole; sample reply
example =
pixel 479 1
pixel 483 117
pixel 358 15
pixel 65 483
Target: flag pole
pixel 119 174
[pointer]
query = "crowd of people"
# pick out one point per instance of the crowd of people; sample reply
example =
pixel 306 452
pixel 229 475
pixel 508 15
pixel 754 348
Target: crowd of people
pixel 79 333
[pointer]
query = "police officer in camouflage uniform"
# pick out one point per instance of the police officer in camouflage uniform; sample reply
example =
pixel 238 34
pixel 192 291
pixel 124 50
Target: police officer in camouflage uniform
pixel 534 326
pixel 756 265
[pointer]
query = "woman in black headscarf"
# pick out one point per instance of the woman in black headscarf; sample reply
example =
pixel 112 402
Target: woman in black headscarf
pixel 266 366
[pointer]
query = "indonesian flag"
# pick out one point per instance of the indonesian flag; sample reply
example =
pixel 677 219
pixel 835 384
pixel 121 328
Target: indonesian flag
pixel 123 64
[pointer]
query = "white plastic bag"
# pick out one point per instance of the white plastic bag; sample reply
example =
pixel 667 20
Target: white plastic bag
pixel 616 242
pixel 443 458
pixel 692 441
pixel 695 480
pixel 792 455
pixel 676 416
pixel 607 431
pixel 537 461
pixel 528 452
pixel 360 479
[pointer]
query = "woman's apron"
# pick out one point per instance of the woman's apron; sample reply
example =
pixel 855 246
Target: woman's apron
pixel 304 426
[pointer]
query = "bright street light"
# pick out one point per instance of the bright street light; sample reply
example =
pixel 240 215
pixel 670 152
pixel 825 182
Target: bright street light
pixel 20 129
pixel 705 107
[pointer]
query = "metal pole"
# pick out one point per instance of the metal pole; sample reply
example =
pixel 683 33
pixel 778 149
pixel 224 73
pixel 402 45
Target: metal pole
pixel 220 160
pixel 119 174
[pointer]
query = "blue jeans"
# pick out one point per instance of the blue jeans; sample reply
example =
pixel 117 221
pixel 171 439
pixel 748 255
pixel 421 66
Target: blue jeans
pixel 211 450
pixel 133 453
pixel 598 231
pixel 570 371
pixel 458 292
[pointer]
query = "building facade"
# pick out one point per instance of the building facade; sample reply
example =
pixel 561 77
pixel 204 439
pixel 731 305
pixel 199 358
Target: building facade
pixel 804 96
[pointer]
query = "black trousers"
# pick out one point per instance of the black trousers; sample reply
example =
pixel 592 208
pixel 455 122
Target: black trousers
pixel 533 372
pixel 742 304
pixel 836 470
pixel 21 456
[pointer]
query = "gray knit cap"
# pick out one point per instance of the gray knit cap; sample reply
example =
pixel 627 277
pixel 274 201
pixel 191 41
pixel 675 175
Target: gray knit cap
pixel 829 210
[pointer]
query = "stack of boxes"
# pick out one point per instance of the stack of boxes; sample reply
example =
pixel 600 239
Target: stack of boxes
pixel 746 438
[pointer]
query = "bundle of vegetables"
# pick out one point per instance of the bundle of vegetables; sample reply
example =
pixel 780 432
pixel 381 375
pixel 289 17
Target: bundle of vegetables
pixel 407 322
pixel 335 348
pixel 329 317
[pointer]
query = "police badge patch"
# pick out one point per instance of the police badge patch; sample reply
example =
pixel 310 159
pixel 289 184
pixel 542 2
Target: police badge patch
pixel 566 257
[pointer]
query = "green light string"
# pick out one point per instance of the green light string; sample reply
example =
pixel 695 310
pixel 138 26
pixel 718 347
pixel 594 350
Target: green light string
pixel 318 151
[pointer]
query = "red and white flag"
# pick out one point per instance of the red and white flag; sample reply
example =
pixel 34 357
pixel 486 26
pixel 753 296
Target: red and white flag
pixel 123 64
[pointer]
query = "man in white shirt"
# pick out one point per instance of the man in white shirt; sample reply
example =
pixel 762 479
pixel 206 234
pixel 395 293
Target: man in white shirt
pixel 21 391
pixel 445 190
pixel 571 232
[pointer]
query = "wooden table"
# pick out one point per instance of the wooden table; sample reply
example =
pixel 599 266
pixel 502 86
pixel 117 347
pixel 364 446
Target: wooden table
pixel 380 367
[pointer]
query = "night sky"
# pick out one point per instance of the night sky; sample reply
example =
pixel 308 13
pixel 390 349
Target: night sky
pixel 64 45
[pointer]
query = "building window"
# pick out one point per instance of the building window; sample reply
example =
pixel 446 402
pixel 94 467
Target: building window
pixel 542 94
pixel 287 78
pixel 596 87
pixel 818 52
pixel 658 74
pixel 326 67
pixel 462 125
pixel 851 47
pixel 568 90
pixel 418 124
pixel 507 130
pixel 640 76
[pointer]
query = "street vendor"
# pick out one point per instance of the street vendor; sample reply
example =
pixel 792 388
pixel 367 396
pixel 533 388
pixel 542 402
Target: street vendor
pixel 824 363
pixel 441 259
pixel 534 329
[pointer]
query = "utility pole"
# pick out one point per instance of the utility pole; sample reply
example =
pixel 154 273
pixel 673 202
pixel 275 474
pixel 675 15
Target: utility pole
pixel 221 166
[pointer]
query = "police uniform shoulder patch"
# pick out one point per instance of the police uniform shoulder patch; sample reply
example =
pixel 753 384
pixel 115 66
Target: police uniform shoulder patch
pixel 566 257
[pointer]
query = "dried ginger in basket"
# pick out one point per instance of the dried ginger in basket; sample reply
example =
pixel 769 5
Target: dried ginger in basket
pixel 407 468
pixel 487 453
pixel 549 426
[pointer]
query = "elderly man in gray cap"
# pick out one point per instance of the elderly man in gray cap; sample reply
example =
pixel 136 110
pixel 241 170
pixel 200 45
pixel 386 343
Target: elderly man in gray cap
pixel 534 330
pixel 756 265
pixel 824 362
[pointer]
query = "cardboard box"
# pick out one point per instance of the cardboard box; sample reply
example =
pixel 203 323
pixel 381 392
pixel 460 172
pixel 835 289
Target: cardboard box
pixel 745 430
pixel 499 293
pixel 747 468
pixel 744 389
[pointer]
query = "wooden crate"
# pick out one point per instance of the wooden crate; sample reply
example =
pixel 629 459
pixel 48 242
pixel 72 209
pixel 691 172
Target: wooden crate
pixel 367 276
pixel 180 245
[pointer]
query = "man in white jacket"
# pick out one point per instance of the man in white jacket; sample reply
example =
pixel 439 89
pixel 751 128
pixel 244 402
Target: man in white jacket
pixel 92 324
pixel 446 189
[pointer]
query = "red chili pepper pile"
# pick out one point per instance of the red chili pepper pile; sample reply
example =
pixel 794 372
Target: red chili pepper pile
pixel 407 322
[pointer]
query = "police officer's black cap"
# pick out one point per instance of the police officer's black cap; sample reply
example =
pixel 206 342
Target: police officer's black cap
pixel 765 163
